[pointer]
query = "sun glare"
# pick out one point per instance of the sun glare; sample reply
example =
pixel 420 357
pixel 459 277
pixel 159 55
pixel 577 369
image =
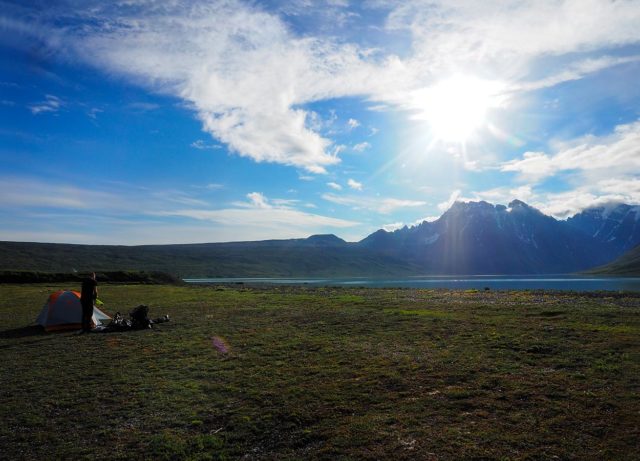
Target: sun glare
pixel 456 107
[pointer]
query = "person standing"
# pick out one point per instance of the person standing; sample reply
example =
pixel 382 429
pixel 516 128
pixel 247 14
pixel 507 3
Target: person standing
pixel 87 297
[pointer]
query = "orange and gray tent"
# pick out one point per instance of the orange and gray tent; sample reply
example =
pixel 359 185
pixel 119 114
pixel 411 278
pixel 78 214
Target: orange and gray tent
pixel 63 311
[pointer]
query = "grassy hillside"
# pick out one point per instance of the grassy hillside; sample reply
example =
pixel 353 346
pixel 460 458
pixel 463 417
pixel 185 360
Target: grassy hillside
pixel 627 264
pixel 294 373
pixel 250 259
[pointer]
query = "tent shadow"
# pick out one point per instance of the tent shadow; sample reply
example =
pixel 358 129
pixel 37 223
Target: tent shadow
pixel 22 332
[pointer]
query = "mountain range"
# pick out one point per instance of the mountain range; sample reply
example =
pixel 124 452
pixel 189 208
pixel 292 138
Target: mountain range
pixel 481 238
pixel 469 238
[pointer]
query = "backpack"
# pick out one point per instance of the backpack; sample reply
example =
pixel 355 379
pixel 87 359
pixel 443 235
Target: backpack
pixel 140 317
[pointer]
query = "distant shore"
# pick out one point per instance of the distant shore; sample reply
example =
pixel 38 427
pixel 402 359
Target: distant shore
pixel 144 277
pixel 557 282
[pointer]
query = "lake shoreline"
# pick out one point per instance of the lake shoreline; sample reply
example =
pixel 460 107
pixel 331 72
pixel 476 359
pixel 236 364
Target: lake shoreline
pixel 578 283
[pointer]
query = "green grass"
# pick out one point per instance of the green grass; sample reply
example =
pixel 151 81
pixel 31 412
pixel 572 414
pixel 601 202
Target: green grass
pixel 325 374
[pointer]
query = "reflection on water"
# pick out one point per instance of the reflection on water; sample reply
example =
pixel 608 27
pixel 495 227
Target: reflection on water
pixel 494 282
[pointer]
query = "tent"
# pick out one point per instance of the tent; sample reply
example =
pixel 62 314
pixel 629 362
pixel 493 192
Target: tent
pixel 63 311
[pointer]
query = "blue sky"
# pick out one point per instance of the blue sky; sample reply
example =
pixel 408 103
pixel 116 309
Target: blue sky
pixel 133 122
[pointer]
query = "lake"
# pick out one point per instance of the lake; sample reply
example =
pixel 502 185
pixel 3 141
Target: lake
pixel 479 282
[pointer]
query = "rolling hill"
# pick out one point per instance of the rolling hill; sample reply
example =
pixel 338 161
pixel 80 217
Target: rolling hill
pixel 315 256
pixel 627 264
pixel 469 238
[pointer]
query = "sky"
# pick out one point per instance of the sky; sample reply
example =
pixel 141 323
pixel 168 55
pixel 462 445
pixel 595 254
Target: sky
pixel 145 121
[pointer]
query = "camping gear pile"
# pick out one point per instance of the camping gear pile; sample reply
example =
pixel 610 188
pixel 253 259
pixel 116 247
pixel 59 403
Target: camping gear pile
pixel 138 320
pixel 63 311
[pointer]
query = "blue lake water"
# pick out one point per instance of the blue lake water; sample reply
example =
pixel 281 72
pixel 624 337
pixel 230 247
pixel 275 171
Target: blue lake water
pixel 480 282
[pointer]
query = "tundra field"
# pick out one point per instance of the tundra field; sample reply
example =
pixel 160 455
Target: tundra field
pixel 325 373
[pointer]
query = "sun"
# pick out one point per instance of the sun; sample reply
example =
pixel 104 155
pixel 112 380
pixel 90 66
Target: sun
pixel 456 107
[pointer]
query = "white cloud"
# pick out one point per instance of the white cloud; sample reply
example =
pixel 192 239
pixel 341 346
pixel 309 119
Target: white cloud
pixel 393 226
pixel 46 210
pixel 361 147
pixel 383 206
pixel 399 225
pixel 258 200
pixel 444 206
pixel 512 31
pixel 337 149
pixel 569 202
pixel 51 103
pixel 600 156
pixel 352 183
pixel 93 113
pixel 389 205
pixel 214 186
pixel 334 186
pixel 178 197
pixel 612 190
pixel 575 71
pixel 504 195
pixel 202 145
pixel 250 78
pixel 24 192
pixel 353 123
pixel 247 75
pixel 284 202
pixel 273 218
pixel 344 200
pixel 141 106
pixel 533 166
pixel 264 217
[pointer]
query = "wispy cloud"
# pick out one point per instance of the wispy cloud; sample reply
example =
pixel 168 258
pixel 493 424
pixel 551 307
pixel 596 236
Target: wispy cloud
pixel 27 192
pixel 568 202
pixel 141 106
pixel 244 77
pixel 51 103
pixel 618 152
pixel 214 186
pixel 378 205
pixel 361 147
pixel 353 123
pixel 93 113
pixel 200 144
pixel 334 186
pixel 504 195
pixel 575 71
pixel 250 78
pixel 273 219
pixel 109 215
pixel 513 31
pixel 258 200
pixel 177 197
pixel 393 226
pixel 353 184
pixel 599 193
pixel 444 206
